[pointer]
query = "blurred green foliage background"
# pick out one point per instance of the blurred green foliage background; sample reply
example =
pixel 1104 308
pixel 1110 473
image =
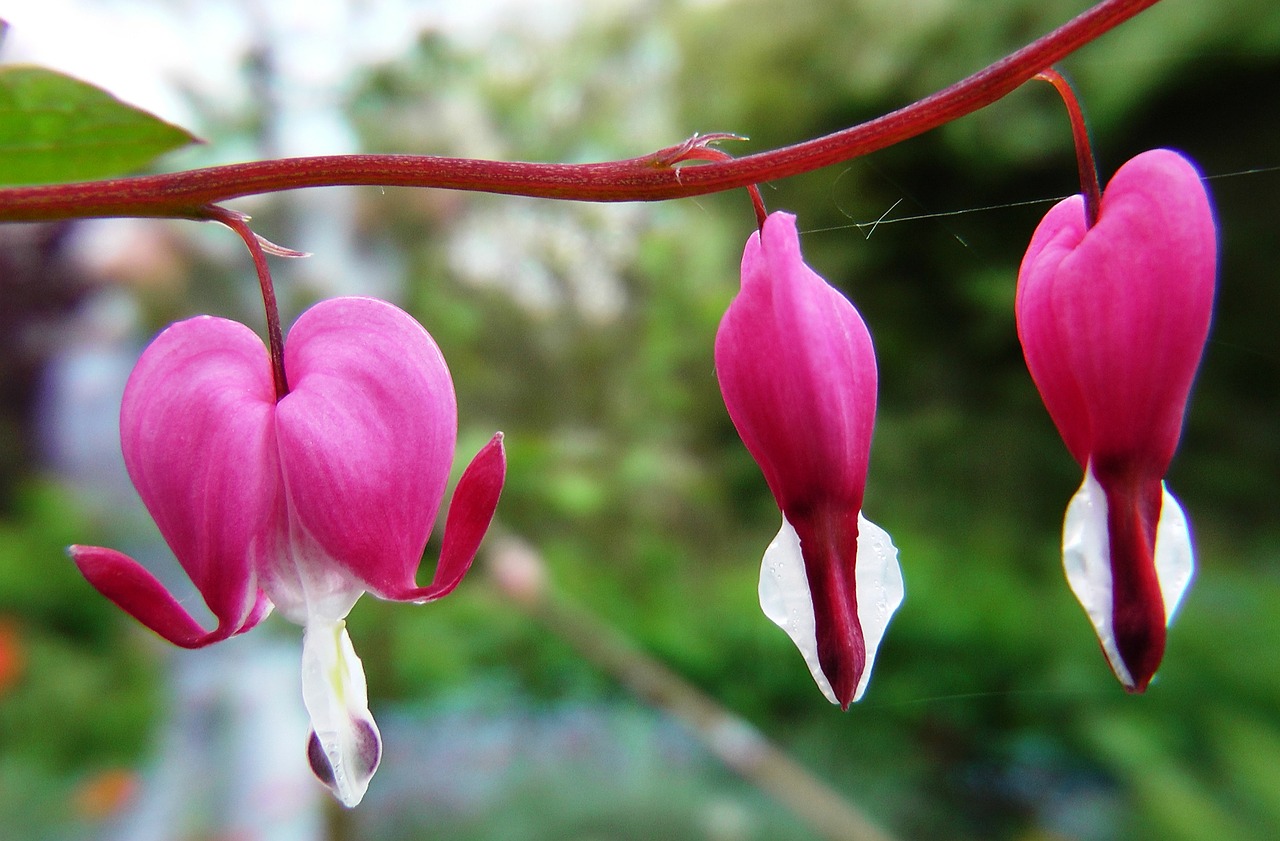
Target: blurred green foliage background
pixel 585 334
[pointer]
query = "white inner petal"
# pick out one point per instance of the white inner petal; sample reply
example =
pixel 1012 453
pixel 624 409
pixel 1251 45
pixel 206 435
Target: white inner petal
pixel 880 589
pixel 303 582
pixel 786 600
pixel 1175 560
pixel 785 597
pixel 333 688
pixel 1086 559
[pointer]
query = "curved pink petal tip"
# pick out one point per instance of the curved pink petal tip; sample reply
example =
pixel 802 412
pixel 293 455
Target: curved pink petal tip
pixel 470 513
pixel 136 591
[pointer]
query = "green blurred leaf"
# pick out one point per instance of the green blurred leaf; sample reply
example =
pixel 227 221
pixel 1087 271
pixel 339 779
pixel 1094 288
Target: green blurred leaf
pixel 54 128
pixel 1248 753
pixel 1175 801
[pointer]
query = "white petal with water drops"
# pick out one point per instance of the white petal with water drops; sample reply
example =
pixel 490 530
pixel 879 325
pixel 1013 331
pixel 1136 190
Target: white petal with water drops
pixel 785 597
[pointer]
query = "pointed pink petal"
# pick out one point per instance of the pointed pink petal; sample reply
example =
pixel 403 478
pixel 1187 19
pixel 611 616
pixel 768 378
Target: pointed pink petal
pixel 366 436
pixel 474 502
pixel 195 427
pixel 798 374
pixel 261 608
pixel 138 593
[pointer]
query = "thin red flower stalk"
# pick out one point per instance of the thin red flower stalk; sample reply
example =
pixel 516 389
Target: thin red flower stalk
pixel 258 248
pixel 1089 185
pixel 191 193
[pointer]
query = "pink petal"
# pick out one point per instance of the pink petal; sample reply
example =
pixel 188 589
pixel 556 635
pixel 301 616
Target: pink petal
pixel 195 427
pixel 138 593
pixel 1039 329
pixel 474 502
pixel 366 436
pixel 1114 319
pixel 798 374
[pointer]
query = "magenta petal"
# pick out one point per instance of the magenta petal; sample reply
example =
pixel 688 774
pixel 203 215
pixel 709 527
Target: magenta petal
pixel 195 427
pixel 1113 319
pixel 1140 314
pixel 366 436
pixel 138 593
pixel 798 374
pixel 1040 331
pixel 474 502
pixel 259 611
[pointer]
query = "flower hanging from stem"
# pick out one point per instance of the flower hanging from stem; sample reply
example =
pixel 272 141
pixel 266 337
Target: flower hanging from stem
pixel 1113 313
pixel 298 493
pixel 798 375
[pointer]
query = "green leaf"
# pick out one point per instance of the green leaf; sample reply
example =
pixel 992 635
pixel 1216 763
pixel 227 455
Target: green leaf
pixel 54 128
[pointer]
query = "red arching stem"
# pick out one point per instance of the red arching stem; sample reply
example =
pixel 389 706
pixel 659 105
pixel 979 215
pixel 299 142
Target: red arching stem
pixel 1089 185
pixel 238 222
pixel 189 194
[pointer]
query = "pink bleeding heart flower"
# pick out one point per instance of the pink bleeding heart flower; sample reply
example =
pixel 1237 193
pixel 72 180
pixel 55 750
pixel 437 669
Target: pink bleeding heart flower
pixel 798 375
pixel 304 503
pixel 1113 320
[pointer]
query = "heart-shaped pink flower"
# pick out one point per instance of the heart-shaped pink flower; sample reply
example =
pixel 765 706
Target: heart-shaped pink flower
pixel 303 503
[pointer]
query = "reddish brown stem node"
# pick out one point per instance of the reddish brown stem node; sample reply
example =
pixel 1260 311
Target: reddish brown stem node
pixel 698 148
